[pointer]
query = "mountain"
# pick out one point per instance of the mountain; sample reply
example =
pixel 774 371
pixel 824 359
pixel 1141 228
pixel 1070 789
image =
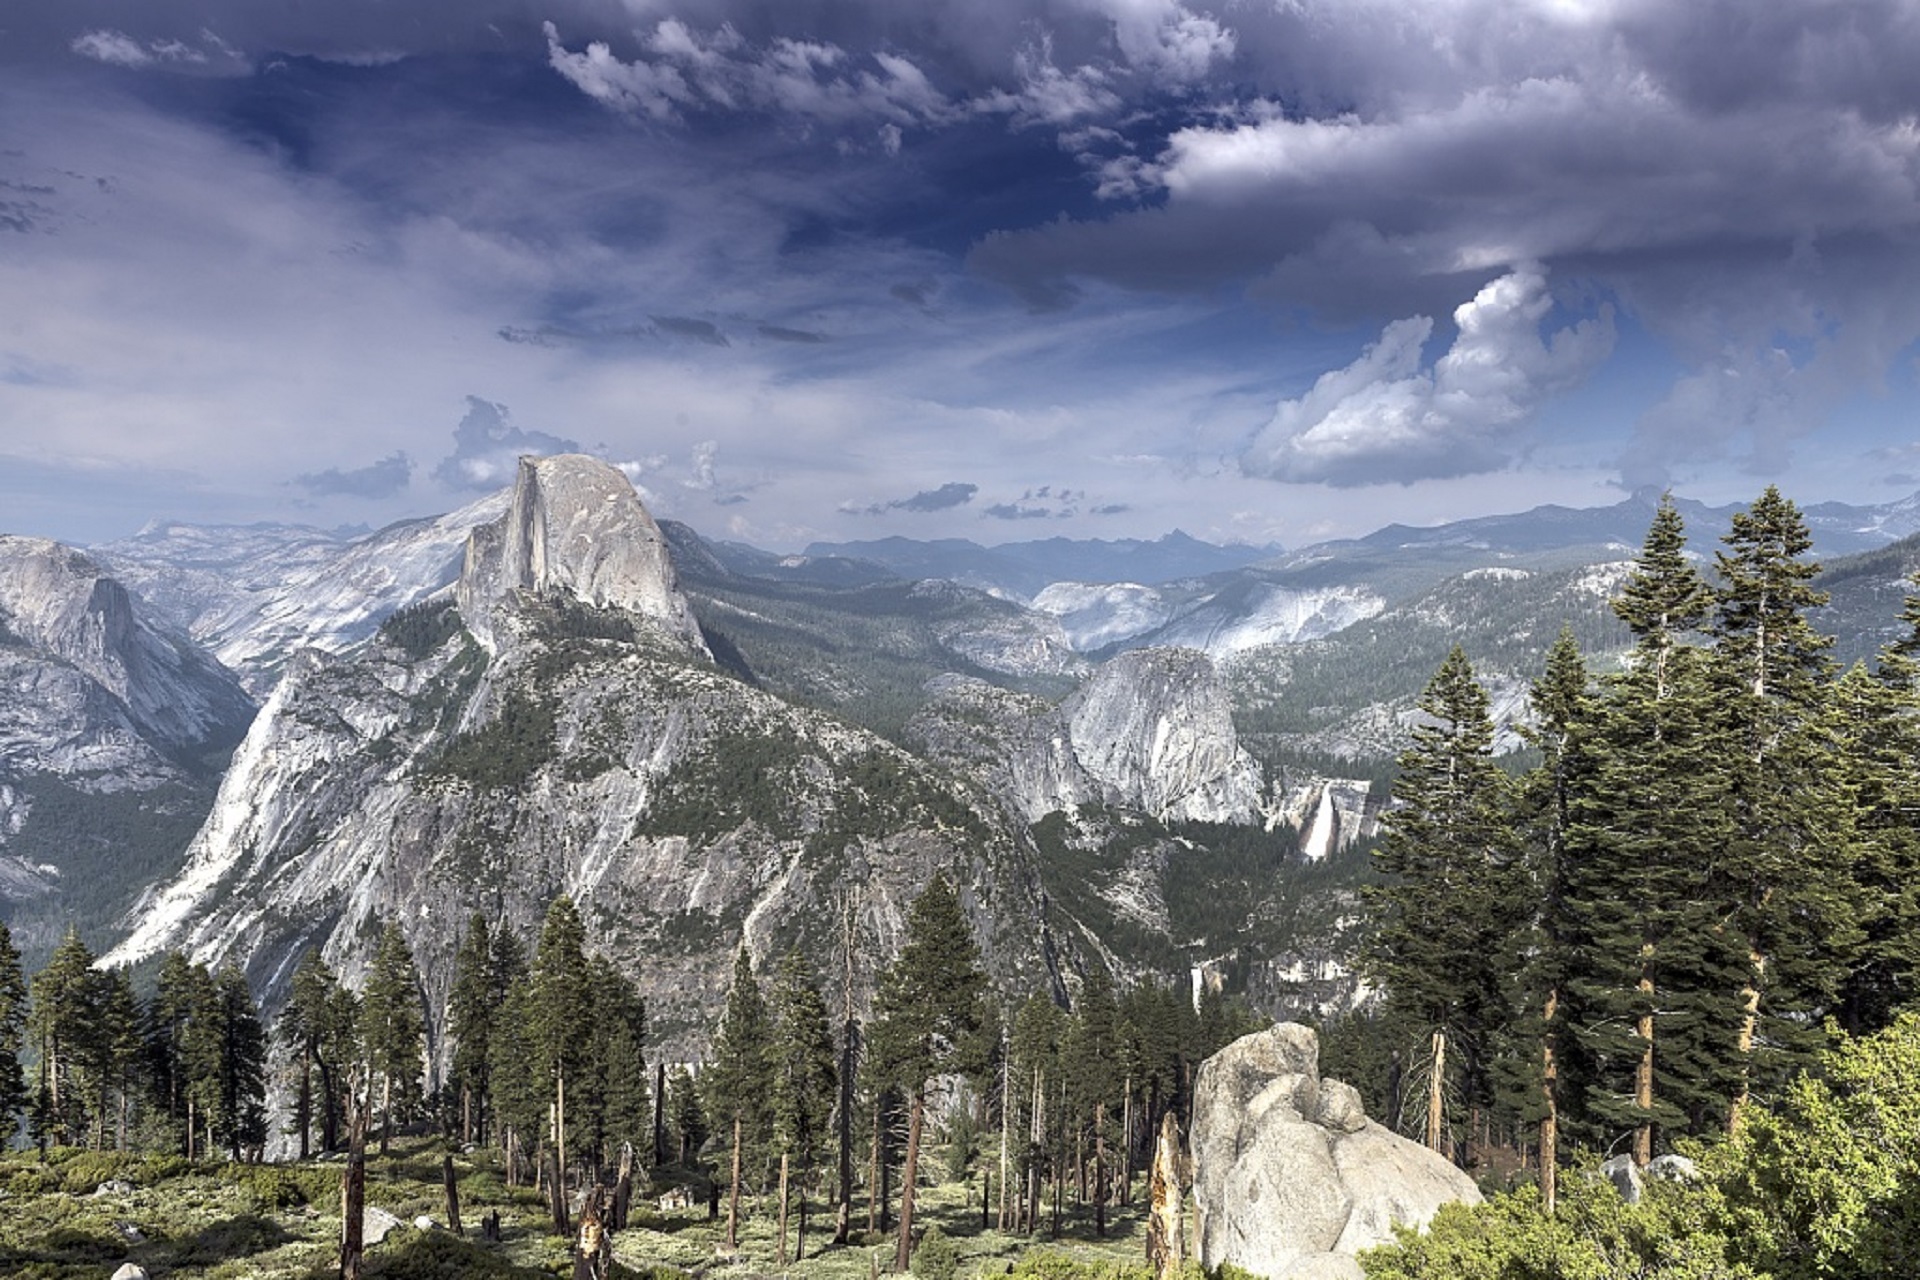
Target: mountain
pixel 1022 569
pixel 112 730
pixel 256 594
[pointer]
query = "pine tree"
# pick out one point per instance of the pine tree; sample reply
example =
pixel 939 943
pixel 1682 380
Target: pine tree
pixel 927 1009
pixel 309 1025
pixel 805 1080
pixel 686 1114
pixel 471 1005
pixel 1446 907
pixel 109 1053
pixel 560 1011
pixel 240 1120
pixel 1563 712
pixel 62 1020
pixel 14 1095
pixel 1785 872
pixel 1035 1048
pixel 734 1086
pixel 393 1027
pixel 1647 965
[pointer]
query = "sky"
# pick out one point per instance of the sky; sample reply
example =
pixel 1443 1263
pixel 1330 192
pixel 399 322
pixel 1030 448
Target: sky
pixel 1267 271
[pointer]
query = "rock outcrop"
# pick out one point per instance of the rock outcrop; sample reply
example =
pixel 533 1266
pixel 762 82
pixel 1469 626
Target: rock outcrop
pixel 575 527
pixel 1291 1179
pixel 1151 730
pixel 1329 814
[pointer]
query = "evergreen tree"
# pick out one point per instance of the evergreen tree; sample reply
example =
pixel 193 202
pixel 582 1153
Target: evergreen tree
pixel 1562 708
pixel 1877 731
pixel 687 1115
pixel 1035 1048
pixel 310 1025
pixel 805 1078
pixel 174 1027
pixel 521 1091
pixel 734 1086
pixel 560 1010
pixel 14 1095
pixel 240 1118
pixel 1446 907
pixel 1650 977
pixel 471 1005
pixel 64 1017
pixel 393 1028
pixel 109 1053
pixel 1784 873
pixel 616 1098
pixel 926 1012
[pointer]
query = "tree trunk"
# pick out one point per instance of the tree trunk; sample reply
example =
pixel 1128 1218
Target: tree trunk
pixel 1550 1122
pixel 1749 1022
pixel 1643 1073
pixel 903 1249
pixel 659 1116
pixel 1166 1198
pixel 1126 1144
pixel 303 1108
pixel 874 1194
pixel 560 1126
pixel 386 1108
pixel 557 1196
pixel 623 1188
pixel 733 1199
pixel 1100 1170
pixel 1006 1124
pixel 452 1185
pixel 353 1201
pixel 1434 1094
pixel 1036 1138
pixel 783 1208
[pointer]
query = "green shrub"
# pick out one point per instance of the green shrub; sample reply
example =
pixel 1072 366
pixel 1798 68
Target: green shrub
pixel 1053 1264
pixel 936 1258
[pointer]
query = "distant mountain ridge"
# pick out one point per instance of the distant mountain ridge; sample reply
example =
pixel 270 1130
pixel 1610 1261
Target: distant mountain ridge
pixel 1023 569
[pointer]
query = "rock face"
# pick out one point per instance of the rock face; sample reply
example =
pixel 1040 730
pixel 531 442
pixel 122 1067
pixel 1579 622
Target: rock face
pixel 1291 1179
pixel 1151 730
pixel 576 528
pixel 1330 813
pixel 95 686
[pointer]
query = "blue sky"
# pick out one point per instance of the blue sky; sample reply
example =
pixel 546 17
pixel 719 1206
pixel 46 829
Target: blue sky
pixel 1269 270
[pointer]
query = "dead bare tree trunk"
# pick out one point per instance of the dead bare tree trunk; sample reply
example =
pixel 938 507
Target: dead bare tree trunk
pixel 1166 1199
pixel 557 1196
pixel 849 1064
pixel 733 1200
pixel 1550 1122
pixel 353 1196
pixel 623 1188
pixel 453 1195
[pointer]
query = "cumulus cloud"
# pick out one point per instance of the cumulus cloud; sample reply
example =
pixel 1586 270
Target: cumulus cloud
pixel 382 479
pixel 1389 417
pixel 487 447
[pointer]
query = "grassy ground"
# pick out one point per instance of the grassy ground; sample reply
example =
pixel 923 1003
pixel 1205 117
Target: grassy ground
pixel 282 1222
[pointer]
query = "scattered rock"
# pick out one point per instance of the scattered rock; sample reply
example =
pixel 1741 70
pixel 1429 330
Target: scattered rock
pixel 376 1224
pixel 1291 1179
pixel 113 1187
pixel 1625 1176
pixel 1673 1169
pixel 130 1233
pixel 128 1271
pixel 424 1223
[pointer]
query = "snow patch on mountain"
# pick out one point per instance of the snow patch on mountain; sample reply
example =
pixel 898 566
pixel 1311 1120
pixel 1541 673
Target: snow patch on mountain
pixel 1269 614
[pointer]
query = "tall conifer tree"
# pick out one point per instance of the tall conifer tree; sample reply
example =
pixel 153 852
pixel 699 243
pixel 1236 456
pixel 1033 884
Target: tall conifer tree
pixel 14 1095
pixel 1446 908
pixel 734 1086
pixel 393 1027
pixel 926 1011
pixel 805 1078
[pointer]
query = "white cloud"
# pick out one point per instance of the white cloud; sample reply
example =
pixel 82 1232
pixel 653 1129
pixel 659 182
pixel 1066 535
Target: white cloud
pixel 1386 417
pixel 682 69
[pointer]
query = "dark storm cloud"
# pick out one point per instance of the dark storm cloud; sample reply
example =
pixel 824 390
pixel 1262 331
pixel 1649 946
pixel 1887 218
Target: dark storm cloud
pixel 693 330
pixel 487 448
pixel 381 479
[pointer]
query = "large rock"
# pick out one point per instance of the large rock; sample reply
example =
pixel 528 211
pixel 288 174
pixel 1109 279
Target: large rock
pixel 1291 1179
